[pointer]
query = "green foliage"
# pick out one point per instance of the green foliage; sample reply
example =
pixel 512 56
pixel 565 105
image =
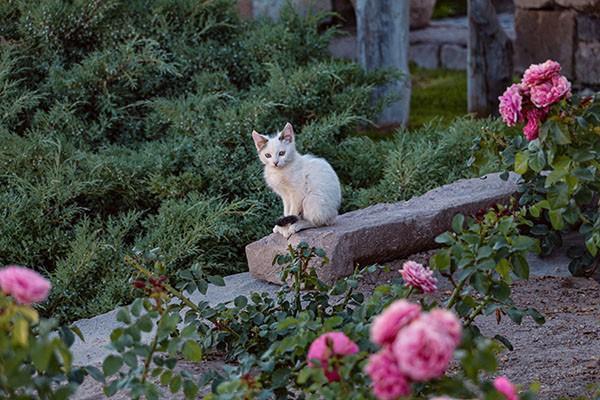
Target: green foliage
pixel 35 360
pixel 418 161
pixel 265 338
pixel 437 94
pixel 481 257
pixel 560 177
pixel 125 127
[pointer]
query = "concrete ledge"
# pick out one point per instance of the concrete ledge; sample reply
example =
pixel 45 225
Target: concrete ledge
pixel 384 232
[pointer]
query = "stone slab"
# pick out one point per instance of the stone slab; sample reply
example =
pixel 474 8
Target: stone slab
pixel 534 4
pixel 96 331
pixel 543 35
pixel 587 63
pixel 453 56
pixel 385 231
pixel 425 55
pixel 588 28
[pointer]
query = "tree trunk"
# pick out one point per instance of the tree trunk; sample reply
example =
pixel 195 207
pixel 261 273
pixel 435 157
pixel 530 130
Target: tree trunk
pixel 490 59
pixel 382 39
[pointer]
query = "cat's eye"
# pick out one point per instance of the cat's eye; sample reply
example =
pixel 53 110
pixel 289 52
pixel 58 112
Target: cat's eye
pixel 268 155
pixel 282 153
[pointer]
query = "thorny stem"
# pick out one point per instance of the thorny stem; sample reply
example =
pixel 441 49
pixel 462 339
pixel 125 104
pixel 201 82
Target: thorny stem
pixel 152 349
pixel 455 294
pixel 478 310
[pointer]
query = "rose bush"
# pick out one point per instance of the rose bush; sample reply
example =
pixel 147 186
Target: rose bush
pixel 557 157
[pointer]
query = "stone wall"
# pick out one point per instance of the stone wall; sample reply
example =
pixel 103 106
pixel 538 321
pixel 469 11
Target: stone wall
pixel 567 31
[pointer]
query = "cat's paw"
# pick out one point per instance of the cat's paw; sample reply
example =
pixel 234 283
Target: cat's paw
pixel 281 230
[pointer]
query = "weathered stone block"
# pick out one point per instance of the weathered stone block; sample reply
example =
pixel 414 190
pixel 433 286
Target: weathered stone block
pixel 581 5
pixel 420 13
pixel 425 55
pixel 543 35
pixel 587 63
pixel 441 33
pixel 385 231
pixel 588 28
pixel 534 3
pixel 453 57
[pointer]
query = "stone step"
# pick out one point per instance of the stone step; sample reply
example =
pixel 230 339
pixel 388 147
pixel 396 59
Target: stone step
pixel 384 232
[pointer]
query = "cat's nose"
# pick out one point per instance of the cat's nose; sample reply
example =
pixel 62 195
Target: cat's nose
pixel 275 163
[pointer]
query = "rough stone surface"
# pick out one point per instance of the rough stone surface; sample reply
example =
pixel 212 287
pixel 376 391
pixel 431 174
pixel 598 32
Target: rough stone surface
pixel 587 61
pixel 581 5
pixel 453 56
pixel 425 55
pixel 543 35
pixel 534 3
pixel 441 33
pixel 420 13
pixel 588 28
pixel 96 331
pixel 344 47
pixel 385 231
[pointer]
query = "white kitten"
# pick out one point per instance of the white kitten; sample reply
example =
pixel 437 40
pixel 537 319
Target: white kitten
pixel 308 186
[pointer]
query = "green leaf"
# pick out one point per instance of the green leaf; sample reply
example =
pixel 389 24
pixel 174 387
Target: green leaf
pixel 216 280
pixel 280 377
pixel 537 317
pixel 503 268
pixel 457 223
pixel 440 260
pixel 175 384
pixel 123 315
pixel 240 301
pixel 20 331
pixel 521 162
pixel 192 351
pixel 111 365
pixel 505 342
pixel 190 389
pixel 445 238
pixel 556 219
pixel 95 373
pixel 515 314
pixel 520 266
pixel 484 252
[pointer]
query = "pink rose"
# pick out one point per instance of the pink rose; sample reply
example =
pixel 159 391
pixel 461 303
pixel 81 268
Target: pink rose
pixel 505 387
pixel 423 352
pixel 534 119
pixel 417 276
pixel 511 103
pixel 387 380
pixel 23 284
pixel 328 346
pixel 539 73
pixel 445 322
pixel 397 315
pixel 551 91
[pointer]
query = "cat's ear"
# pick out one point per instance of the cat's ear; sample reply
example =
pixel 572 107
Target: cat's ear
pixel 259 140
pixel 287 133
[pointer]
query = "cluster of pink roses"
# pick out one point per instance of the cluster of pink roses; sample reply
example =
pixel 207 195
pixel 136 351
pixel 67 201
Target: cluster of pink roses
pixel 415 347
pixel 530 100
pixel 417 276
pixel 24 285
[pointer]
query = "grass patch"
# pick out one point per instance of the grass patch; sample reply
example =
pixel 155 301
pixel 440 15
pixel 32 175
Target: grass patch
pixel 437 94
pixel 449 8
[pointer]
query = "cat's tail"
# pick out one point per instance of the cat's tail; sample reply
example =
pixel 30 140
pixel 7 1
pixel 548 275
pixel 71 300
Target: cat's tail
pixel 287 220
